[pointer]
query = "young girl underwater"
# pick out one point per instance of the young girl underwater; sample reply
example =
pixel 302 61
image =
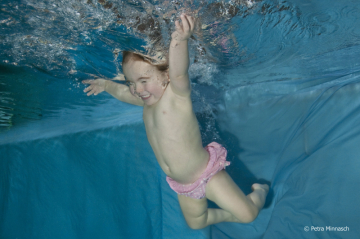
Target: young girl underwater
pixel 193 172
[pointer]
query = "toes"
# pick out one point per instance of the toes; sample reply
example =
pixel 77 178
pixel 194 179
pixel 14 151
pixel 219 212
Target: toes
pixel 260 186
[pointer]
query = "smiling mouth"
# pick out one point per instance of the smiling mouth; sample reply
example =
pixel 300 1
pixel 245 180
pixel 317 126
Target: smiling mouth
pixel 145 97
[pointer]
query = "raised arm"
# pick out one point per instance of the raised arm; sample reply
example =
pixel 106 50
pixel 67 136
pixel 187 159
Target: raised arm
pixel 119 91
pixel 179 56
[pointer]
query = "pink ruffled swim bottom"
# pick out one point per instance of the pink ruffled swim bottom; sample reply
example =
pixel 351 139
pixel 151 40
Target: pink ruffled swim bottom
pixel 217 162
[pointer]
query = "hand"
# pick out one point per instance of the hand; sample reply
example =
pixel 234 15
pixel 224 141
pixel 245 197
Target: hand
pixel 96 86
pixel 183 31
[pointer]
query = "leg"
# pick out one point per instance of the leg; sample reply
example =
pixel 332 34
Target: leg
pixel 198 215
pixel 222 190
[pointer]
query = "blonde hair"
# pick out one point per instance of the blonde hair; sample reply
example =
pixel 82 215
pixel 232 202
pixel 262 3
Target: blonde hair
pixel 128 55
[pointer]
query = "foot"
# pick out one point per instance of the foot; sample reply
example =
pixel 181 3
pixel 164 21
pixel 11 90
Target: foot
pixel 257 186
pixel 258 196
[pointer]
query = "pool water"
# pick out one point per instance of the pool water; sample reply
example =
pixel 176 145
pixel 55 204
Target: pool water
pixel 275 82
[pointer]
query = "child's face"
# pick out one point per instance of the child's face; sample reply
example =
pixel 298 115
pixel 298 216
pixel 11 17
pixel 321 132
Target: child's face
pixel 145 81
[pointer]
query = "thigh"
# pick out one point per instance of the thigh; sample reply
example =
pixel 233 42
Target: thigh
pixel 192 208
pixel 222 190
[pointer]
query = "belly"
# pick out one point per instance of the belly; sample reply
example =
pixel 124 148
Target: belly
pixel 182 162
pixel 174 135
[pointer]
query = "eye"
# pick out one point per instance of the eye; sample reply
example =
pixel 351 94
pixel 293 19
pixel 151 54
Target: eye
pixel 128 83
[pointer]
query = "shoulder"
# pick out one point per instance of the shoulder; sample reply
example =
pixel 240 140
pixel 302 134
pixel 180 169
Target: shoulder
pixel 181 86
pixel 172 94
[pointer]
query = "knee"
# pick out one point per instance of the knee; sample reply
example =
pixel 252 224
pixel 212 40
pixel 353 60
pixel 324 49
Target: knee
pixel 250 215
pixel 249 218
pixel 197 223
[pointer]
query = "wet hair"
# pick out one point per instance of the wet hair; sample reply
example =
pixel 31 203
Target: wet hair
pixel 128 55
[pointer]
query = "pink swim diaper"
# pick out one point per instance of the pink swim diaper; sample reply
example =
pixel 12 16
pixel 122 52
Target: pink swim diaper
pixel 217 162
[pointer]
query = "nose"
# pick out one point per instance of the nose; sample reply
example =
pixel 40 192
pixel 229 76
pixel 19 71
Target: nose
pixel 139 88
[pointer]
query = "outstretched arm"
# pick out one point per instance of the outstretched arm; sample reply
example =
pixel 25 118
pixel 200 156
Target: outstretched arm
pixel 119 91
pixel 179 56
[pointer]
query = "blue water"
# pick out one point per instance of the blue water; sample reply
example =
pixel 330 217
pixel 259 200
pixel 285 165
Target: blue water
pixel 276 82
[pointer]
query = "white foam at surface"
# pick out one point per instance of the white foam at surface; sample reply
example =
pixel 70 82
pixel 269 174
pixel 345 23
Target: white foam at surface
pixel 73 120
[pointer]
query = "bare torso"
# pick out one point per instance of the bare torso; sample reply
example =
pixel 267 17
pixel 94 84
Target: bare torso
pixel 173 133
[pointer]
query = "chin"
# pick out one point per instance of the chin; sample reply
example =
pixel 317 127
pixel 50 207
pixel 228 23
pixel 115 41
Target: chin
pixel 150 102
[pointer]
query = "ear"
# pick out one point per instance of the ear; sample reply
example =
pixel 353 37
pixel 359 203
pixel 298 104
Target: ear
pixel 167 81
pixel 167 75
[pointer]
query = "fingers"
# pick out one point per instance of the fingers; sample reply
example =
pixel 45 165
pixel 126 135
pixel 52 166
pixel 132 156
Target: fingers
pixel 191 21
pixel 88 89
pixel 97 81
pixel 177 25
pixel 188 23
pixel 96 86
pixel 87 81
pixel 93 90
pixel 185 23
